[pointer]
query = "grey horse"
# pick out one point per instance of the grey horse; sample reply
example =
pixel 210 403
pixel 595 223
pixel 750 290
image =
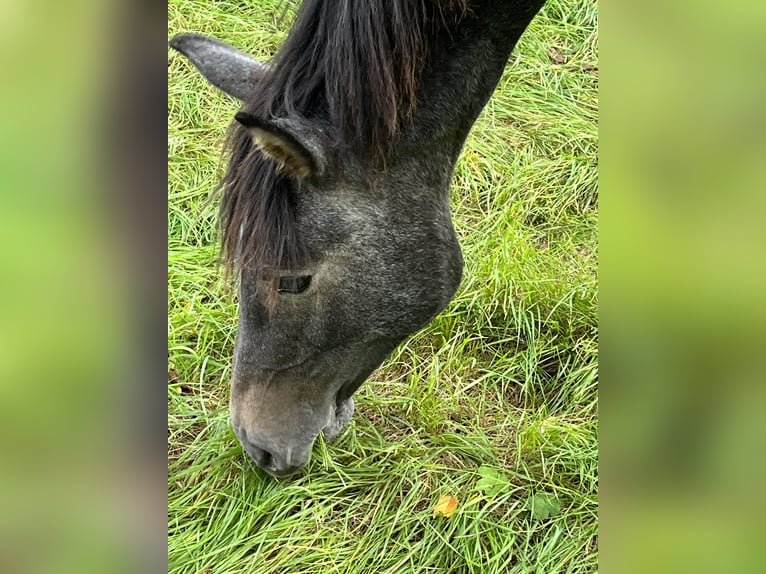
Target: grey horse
pixel 335 205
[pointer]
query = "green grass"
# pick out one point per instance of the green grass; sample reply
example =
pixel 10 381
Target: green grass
pixel 504 379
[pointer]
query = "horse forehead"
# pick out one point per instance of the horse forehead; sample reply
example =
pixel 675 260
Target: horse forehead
pixel 341 216
pixel 360 229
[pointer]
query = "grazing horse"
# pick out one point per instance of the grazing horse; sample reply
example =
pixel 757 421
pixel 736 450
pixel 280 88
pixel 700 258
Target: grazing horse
pixel 335 207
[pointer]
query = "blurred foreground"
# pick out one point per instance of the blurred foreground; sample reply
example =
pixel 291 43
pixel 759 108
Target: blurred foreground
pixel 82 287
pixel 682 279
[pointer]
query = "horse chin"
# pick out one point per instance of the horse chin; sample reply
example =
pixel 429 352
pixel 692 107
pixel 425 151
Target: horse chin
pixel 341 417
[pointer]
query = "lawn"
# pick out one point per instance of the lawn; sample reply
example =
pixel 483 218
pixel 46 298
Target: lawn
pixel 494 403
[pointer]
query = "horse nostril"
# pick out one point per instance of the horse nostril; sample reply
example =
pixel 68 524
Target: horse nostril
pixel 266 459
pixel 273 462
pixel 261 457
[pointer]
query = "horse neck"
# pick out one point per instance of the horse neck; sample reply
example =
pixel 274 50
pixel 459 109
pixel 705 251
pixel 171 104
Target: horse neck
pixel 465 65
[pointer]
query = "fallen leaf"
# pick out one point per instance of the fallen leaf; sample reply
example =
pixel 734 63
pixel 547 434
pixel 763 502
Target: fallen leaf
pixel 446 506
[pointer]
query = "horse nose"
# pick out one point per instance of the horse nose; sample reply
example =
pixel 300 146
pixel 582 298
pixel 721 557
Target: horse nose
pixel 277 464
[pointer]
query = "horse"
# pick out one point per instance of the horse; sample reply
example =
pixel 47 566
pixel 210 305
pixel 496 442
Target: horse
pixel 335 213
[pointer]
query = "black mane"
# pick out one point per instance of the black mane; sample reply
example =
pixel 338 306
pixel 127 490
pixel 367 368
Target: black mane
pixel 354 65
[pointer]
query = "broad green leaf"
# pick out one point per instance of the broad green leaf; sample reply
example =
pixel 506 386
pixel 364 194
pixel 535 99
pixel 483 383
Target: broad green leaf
pixel 492 482
pixel 544 505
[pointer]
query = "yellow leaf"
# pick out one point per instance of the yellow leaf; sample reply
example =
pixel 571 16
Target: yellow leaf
pixel 446 506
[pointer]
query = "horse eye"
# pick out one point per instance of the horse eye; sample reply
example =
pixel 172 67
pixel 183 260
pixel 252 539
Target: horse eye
pixel 296 284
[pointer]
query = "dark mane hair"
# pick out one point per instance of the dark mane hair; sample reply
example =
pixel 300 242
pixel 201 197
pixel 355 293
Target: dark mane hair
pixel 353 64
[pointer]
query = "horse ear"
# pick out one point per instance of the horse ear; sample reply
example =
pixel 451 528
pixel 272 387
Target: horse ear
pixel 225 67
pixel 294 146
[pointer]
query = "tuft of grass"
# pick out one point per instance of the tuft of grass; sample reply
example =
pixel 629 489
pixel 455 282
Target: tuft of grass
pixel 502 382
